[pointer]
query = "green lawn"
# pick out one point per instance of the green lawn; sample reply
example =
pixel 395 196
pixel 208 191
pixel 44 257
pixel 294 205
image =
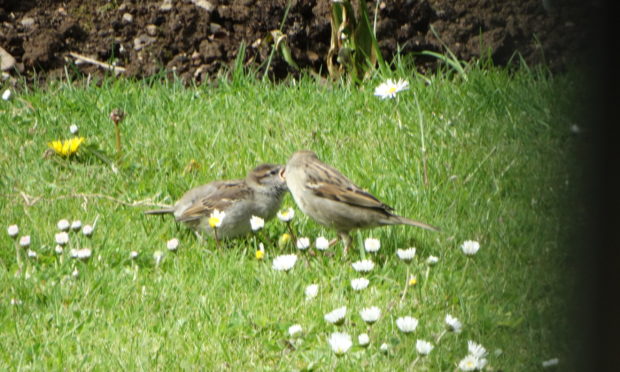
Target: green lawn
pixel 485 159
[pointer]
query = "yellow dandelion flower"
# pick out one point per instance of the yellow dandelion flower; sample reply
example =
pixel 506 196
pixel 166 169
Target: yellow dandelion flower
pixel 260 254
pixel 66 148
pixel 284 239
pixel 413 281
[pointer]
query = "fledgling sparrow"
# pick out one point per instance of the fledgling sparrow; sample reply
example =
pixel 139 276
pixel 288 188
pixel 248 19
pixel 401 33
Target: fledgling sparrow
pixel 331 199
pixel 259 194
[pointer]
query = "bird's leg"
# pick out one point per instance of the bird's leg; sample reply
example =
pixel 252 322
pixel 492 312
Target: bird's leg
pixel 346 240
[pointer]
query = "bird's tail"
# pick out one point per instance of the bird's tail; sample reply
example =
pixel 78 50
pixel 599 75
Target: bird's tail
pixel 160 211
pixel 406 221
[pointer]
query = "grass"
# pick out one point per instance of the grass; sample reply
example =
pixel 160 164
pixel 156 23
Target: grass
pixel 496 169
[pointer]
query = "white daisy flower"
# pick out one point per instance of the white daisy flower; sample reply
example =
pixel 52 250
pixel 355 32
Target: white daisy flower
pixel 370 314
pixel 340 342
pixel 453 324
pixel 311 291
pixel 294 330
pixel 58 249
pixel 470 247
pixel 88 230
pixel 359 284
pixel 469 363
pixel 286 215
pixel 31 253
pixel 423 347
pixel 63 225
pixel 321 243
pixel 476 350
pixel 372 245
pixel 24 241
pixel 390 88
pixel 284 262
pixel 62 238
pixel 257 223
pixel 303 243
pixel 407 324
pixel 384 347
pixel 363 265
pixel 336 316
pixel 83 253
pixel 431 260
pixel 406 254
pixel 16 301
pixel 13 230
pixel 75 273
pixel 76 225
pixel 363 339
pixel 158 255
pixel 133 254
pixel 216 218
pixel 6 95
pixel 172 244
pixel 73 129
pixel 550 363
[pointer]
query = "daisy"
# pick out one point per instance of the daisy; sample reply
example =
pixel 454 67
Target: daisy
pixel 407 324
pixel 336 316
pixel 453 324
pixel 76 225
pixel 257 223
pixel 133 254
pixel 284 262
pixel 372 245
pixel 88 230
pixel 61 238
pixel 390 88
pixel 550 363
pixel 63 225
pixel 75 273
pixel 363 339
pixel 363 265
pixel 284 239
pixel 340 342
pixel 216 218
pixel 73 129
pixel 286 215
pixel 16 301
pixel 431 260
pixel 13 230
pixel 476 350
pixel 158 255
pixel 370 314
pixel 469 363
pixel 359 284
pixel 406 254
pixel 32 254
pixel 172 244
pixel 423 347
pixel 24 241
pixel 58 249
pixel 311 291
pixel 384 347
pixel 83 253
pixel 470 247
pixel 303 243
pixel 6 95
pixel 321 243
pixel 294 330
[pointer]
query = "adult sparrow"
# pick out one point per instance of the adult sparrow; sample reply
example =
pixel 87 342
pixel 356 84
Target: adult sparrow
pixel 331 199
pixel 259 194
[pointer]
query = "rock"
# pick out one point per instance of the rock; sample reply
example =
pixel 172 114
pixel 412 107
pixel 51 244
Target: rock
pixel 151 30
pixel 27 22
pixel 143 41
pixel 166 5
pixel 127 18
pixel 7 61
pixel 204 4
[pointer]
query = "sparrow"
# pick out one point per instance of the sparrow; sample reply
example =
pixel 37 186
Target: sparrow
pixel 259 194
pixel 331 199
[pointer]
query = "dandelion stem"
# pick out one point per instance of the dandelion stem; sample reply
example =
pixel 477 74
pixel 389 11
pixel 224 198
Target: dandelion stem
pixel 290 230
pixel 19 259
pixel 118 140
pixel 217 241
pixel 440 336
pixel 406 286
pixel 415 362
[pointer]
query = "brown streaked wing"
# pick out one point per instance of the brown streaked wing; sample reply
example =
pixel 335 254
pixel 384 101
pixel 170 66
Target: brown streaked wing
pixel 221 199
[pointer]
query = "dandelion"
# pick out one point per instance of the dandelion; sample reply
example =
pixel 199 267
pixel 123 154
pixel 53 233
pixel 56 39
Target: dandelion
pixel 303 243
pixel 453 324
pixel 58 249
pixel 470 247
pixel 260 252
pixel 406 254
pixel 284 239
pixel 284 262
pixel 158 255
pixel 66 148
pixel 476 350
pixel 73 129
pixel 76 225
pixel 321 243
pixel 62 238
pixel 340 342
pixel 133 255
pixel 550 363
pixel 32 254
pixel 63 225
pixel 390 88
pixel 336 316
pixel 286 215
pixel 372 245
pixel 407 324
pixel 431 260
pixel 294 330
pixel 216 218
pixel 359 284
pixel 370 314
pixel 88 230
pixel 412 281
pixel 6 95
pixel 311 291
pixel 363 265
pixel 24 241
pixel 13 230
pixel 172 244
pixel 256 223
pixel 423 347
pixel 363 339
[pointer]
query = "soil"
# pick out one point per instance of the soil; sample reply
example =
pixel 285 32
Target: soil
pixel 195 39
